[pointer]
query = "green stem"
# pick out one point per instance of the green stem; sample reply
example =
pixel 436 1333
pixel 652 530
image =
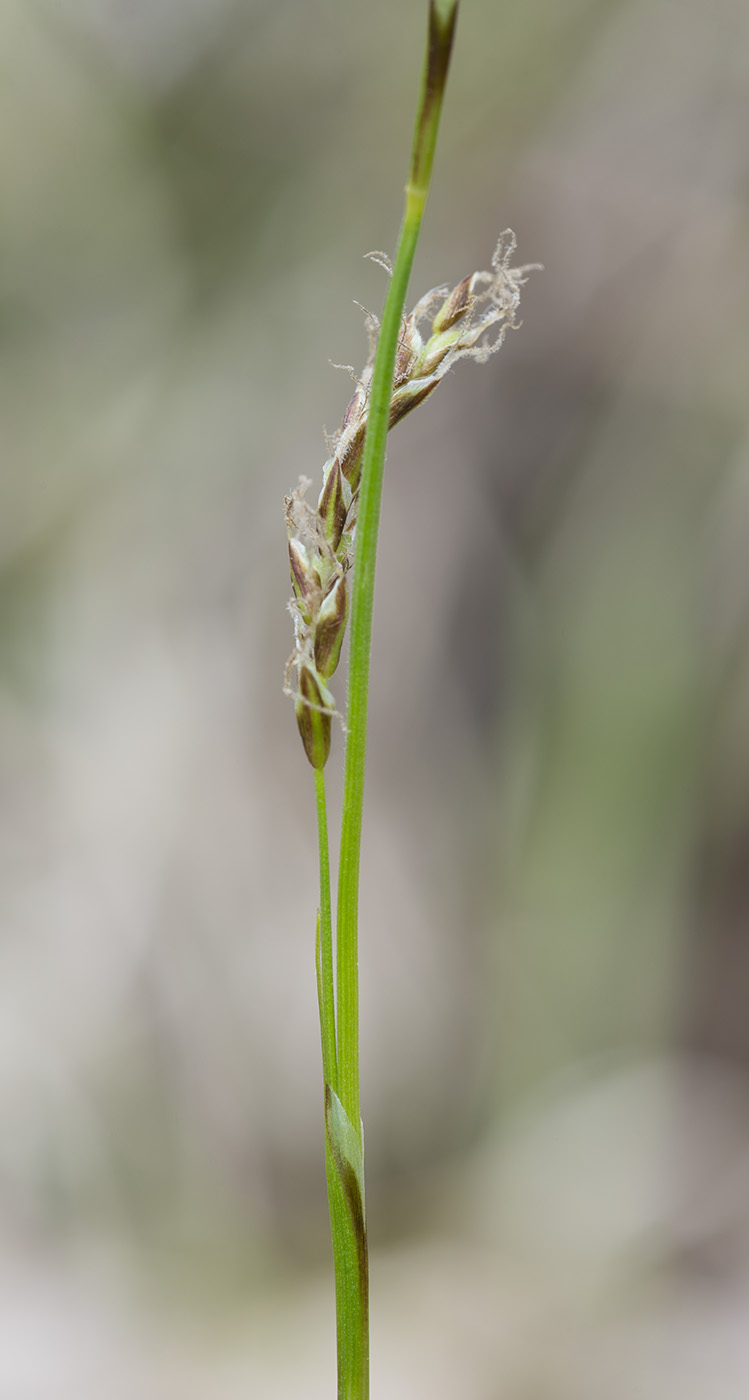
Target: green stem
pixel 439 42
pixel 344 1139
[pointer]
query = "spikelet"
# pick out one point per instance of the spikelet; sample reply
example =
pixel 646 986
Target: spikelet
pixel 468 322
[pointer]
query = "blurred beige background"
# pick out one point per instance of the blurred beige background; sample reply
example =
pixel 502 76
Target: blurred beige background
pixel 555 931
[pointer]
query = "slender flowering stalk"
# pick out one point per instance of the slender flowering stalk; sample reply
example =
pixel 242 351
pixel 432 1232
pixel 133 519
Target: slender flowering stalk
pixel 332 553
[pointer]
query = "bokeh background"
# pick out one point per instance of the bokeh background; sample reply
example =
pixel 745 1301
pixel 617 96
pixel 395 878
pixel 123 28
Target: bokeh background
pixel 555 940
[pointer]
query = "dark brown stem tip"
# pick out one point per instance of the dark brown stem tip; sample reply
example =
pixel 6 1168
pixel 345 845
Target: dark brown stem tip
pixel 442 17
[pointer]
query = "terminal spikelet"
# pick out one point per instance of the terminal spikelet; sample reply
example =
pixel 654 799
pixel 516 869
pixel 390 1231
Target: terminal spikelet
pixel 468 322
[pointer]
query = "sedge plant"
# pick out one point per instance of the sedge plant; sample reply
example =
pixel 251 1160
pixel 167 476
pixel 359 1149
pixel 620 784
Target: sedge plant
pixel 332 553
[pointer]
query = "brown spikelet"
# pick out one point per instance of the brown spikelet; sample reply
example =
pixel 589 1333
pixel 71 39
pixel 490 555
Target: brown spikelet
pixel 471 322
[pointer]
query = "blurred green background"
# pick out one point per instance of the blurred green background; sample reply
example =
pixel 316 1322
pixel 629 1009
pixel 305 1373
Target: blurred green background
pixel 555 940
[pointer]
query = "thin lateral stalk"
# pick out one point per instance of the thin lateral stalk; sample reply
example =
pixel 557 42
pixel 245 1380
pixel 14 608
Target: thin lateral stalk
pixel 351 1335
pixel 439 43
pixel 325 985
